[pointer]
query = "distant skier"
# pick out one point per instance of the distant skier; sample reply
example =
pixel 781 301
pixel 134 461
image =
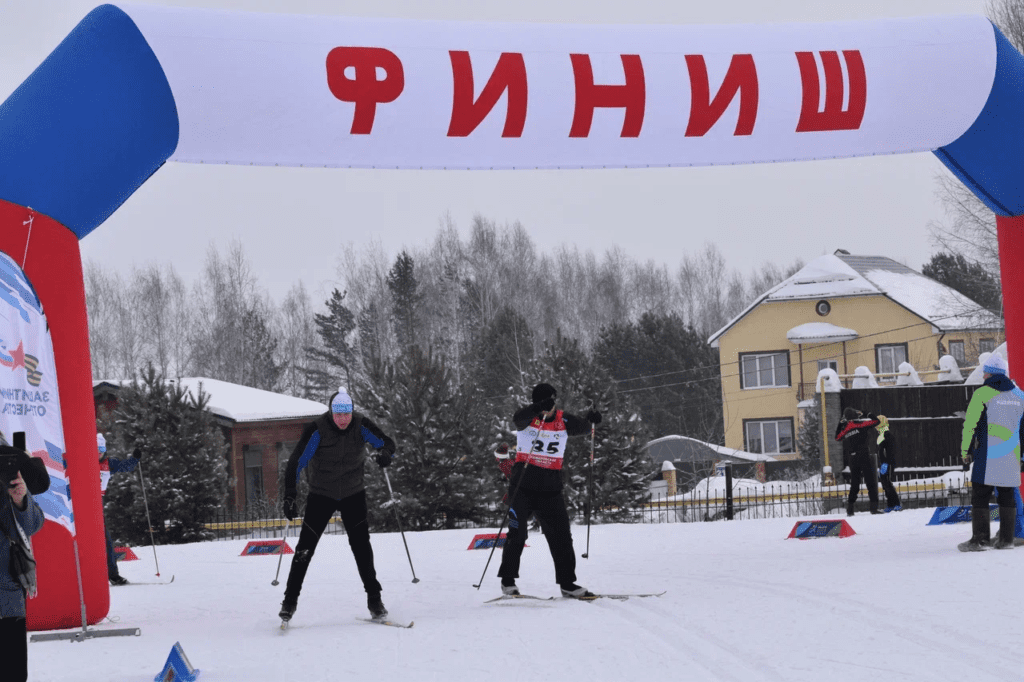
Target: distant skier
pixel 333 447
pixel 113 465
pixel 536 484
pixel 887 464
pixel 853 430
pixel 996 415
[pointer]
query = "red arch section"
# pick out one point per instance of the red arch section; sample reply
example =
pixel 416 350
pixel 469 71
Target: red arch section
pixel 53 264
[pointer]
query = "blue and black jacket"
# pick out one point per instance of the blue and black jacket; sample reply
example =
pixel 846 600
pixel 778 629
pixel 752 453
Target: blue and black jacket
pixel 335 457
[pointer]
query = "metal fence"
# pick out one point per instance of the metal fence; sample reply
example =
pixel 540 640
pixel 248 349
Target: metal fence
pixel 232 525
pixel 787 500
pixel 770 500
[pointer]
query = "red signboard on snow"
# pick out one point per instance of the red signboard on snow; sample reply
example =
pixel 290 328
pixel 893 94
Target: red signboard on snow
pixel 266 548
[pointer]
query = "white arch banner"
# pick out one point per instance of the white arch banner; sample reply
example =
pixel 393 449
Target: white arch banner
pixel 319 91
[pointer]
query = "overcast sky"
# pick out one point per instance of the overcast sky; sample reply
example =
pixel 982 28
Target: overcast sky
pixel 294 222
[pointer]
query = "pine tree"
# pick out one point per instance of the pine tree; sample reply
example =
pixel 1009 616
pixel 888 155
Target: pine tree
pixel 808 440
pixel 406 299
pixel 184 460
pixel 333 365
pixel 438 474
pixel 671 372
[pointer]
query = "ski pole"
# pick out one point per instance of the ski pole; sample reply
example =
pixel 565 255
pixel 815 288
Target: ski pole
pixel 399 519
pixel 149 522
pixel 280 558
pixel 511 501
pixel 590 492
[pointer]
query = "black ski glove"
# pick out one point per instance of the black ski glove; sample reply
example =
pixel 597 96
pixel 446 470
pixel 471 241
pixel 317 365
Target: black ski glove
pixel 968 458
pixel 137 454
pixel 594 417
pixel 383 459
pixel 291 509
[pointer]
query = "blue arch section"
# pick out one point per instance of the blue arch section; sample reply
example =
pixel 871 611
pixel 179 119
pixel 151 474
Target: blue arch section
pixel 989 157
pixel 90 124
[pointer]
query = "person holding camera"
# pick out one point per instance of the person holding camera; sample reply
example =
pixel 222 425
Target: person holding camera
pixel 333 451
pixel 113 465
pixel 535 487
pixel 20 518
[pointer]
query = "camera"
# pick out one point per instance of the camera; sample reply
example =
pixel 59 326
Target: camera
pixel 11 457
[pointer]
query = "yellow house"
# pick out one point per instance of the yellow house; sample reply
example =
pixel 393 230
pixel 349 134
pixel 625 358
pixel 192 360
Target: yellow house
pixel 840 311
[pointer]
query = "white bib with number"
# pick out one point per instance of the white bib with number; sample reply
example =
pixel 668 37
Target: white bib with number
pixel 542 443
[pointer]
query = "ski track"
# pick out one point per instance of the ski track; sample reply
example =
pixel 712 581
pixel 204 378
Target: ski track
pixel 742 605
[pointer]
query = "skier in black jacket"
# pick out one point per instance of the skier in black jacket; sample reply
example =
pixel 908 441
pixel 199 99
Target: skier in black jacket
pixel 853 430
pixel 333 449
pixel 536 488
pixel 887 465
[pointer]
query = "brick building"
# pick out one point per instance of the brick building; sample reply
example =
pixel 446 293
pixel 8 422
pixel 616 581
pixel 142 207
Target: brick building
pixel 260 427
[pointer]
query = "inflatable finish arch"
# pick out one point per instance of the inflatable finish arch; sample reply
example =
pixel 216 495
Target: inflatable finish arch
pixel 132 87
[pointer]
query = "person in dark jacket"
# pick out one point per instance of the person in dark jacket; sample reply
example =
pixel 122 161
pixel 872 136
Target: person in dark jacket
pixel 535 487
pixel 333 450
pixel 113 465
pixel 995 417
pixel 20 518
pixel 887 465
pixel 853 430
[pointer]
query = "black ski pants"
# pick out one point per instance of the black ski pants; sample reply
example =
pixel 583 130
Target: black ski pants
pixel 892 498
pixel 981 494
pixel 14 643
pixel 319 510
pixel 863 469
pixel 549 507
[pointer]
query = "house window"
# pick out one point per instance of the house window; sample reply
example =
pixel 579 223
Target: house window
pixel 828 364
pixel 986 345
pixel 888 358
pixel 253 459
pixel 769 436
pixel 761 370
pixel 956 349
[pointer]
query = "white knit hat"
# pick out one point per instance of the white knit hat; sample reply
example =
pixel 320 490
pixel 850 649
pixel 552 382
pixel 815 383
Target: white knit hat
pixel 341 403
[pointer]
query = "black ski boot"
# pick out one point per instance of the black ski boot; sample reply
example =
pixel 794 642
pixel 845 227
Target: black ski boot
pixel 981 527
pixel 508 587
pixel 1004 536
pixel 574 591
pixel 119 580
pixel 376 606
pixel 288 607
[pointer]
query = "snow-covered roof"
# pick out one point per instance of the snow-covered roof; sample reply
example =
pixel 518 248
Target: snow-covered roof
pixel 243 403
pixel 819 332
pixel 842 275
pixel 717 449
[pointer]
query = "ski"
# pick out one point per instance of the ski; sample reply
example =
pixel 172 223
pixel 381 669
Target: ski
pixel 620 597
pixel 513 597
pixel 151 582
pixel 387 622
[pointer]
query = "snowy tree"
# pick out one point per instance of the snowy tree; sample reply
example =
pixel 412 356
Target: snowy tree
pixel 670 371
pixel 184 460
pixel 405 299
pixel 439 472
pixel 808 439
pixel 332 361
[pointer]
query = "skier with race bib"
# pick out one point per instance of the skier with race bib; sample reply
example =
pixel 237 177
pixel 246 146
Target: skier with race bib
pixel 535 487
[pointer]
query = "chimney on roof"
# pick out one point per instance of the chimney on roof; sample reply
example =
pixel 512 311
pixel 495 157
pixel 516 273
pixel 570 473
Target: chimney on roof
pixel 842 252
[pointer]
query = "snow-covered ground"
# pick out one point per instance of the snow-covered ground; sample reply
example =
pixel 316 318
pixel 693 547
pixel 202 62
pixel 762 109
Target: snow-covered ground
pixel 743 603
